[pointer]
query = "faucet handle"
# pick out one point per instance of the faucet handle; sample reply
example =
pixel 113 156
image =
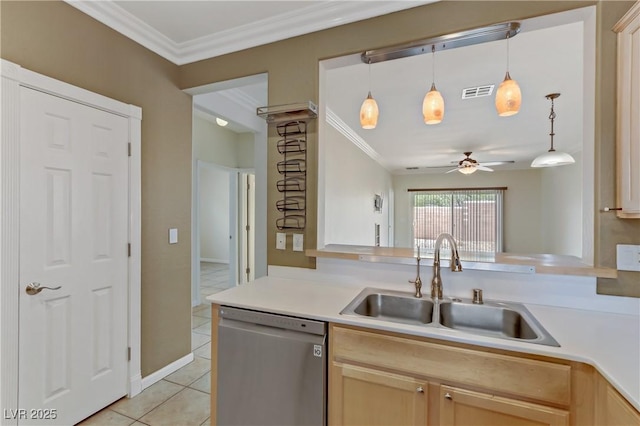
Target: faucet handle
pixel 456 264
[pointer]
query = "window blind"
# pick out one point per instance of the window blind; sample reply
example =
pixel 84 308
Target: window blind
pixel 473 216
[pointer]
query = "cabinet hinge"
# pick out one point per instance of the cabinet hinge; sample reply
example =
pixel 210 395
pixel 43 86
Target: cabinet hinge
pixel 129 149
pixel 129 354
pixel 129 250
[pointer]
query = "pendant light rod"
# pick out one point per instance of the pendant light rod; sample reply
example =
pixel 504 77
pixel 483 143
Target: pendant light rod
pixel 552 117
pixel 443 42
pixel 433 65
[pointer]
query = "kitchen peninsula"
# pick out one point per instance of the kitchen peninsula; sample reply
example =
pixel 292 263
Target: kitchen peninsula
pixel 593 375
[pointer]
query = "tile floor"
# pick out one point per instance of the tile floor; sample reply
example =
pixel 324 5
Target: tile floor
pixel 181 398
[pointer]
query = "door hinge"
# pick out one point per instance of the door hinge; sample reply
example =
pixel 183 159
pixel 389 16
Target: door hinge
pixel 129 250
pixel 129 149
pixel 247 271
pixel 129 354
pixel 247 228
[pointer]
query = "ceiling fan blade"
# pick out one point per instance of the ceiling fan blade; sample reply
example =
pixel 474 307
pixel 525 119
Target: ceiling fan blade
pixel 497 163
pixel 484 169
pixel 452 170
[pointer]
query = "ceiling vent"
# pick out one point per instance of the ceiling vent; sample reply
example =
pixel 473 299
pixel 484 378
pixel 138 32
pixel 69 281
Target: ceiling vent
pixel 412 168
pixel 477 92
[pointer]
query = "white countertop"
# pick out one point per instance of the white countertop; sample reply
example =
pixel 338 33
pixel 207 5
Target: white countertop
pixel 609 342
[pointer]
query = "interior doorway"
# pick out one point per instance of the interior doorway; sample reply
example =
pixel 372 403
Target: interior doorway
pixel 225 237
pixel 228 136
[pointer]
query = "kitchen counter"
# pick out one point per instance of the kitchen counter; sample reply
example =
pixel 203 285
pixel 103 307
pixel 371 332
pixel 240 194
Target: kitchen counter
pixel 609 342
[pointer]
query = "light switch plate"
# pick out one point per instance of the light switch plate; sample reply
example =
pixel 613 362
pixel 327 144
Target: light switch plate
pixel 628 257
pixel 298 242
pixel 281 241
pixel 173 236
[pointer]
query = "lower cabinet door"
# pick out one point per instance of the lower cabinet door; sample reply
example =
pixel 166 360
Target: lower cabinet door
pixel 364 396
pixel 463 407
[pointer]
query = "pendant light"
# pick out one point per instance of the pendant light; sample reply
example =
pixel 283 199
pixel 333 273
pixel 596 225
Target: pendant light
pixel 508 96
pixel 552 158
pixel 433 104
pixel 369 109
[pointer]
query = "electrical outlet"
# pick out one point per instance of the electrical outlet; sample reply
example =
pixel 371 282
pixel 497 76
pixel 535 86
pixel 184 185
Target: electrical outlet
pixel 281 241
pixel 628 257
pixel 298 242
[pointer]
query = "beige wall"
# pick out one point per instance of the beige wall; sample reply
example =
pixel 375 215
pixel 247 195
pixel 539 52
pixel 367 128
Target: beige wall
pixel 57 40
pixel 292 66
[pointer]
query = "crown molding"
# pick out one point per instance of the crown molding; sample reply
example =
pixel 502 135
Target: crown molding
pixel 336 122
pixel 242 98
pixel 316 17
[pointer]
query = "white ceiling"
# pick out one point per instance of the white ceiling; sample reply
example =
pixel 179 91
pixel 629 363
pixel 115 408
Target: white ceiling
pixel 188 31
pixel 547 56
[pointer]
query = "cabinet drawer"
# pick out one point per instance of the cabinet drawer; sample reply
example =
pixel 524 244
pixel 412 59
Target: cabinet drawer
pixel 540 380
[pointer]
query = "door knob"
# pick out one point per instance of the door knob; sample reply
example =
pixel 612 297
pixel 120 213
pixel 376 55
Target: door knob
pixel 35 288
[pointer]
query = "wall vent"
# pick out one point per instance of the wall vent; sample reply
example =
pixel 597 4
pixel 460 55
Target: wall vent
pixel 478 91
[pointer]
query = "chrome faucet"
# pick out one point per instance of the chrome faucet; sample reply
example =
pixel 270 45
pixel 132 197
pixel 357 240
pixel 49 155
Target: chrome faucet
pixel 456 266
pixel 418 281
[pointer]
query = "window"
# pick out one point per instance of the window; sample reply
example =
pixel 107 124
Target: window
pixel 473 216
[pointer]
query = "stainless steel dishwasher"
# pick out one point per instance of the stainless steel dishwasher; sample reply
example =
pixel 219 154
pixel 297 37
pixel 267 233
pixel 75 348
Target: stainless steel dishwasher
pixel 272 369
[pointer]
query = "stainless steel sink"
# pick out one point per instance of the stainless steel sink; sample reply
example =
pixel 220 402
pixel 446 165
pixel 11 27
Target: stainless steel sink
pixel 504 320
pixel 391 306
pixel 496 319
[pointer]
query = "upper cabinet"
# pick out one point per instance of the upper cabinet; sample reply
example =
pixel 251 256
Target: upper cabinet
pixel 628 113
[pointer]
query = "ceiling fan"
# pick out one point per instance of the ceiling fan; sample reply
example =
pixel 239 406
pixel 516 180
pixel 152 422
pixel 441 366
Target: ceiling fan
pixel 468 165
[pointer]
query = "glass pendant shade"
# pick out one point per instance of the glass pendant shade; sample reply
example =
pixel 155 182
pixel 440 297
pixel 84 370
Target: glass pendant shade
pixel 467 170
pixel 508 97
pixel 369 113
pixel 433 106
pixel 553 158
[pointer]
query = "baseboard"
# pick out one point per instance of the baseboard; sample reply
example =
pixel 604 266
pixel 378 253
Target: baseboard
pixel 165 371
pixel 135 385
pixel 212 260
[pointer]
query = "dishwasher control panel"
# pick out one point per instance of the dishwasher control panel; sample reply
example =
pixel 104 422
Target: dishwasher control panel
pixel 274 320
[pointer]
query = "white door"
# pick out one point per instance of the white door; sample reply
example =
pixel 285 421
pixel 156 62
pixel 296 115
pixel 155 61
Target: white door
pixel 73 234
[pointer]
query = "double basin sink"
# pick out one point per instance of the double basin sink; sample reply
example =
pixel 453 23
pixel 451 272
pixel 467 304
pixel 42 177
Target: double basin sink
pixel 510 321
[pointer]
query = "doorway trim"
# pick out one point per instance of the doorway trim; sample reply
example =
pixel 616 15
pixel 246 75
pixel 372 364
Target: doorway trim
pixel 13 77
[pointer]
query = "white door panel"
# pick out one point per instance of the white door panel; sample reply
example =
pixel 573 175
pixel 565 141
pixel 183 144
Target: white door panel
pixel 73 234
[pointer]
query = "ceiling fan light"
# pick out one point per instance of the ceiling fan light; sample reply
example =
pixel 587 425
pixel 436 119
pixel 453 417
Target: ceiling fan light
pixel 221 122
pixel 553 159
pixel 433 106
pixel 508 97
pixel 467 170
pixel 369 113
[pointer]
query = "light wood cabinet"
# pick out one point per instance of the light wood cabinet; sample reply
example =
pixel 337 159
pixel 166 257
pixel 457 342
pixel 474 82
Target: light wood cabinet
pixel 612 408
pixel 465 407
pixel 628 111
pixel 374 378
pixel 365 396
